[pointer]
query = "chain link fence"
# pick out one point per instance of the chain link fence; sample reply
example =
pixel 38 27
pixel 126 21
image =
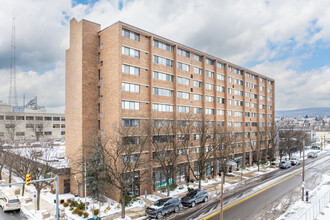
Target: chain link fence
pixel 312 212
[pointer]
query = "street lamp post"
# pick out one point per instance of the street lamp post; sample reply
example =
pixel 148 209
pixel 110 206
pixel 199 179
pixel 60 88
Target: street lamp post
pixel 303 173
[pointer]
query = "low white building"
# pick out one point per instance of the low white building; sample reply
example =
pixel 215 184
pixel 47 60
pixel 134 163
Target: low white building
pixel 30 123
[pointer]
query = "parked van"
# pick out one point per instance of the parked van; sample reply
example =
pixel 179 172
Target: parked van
pixel 9 201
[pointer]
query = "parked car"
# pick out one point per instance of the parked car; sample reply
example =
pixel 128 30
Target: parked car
pixel 285 164
pixel 295 161
pixel 163 206
pixel 312 155
pixel 194 197
pixel 316 148
pixel 9 201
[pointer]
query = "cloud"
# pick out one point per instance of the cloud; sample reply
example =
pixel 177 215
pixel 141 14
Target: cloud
pixel 298 89
pixel 271 37
pixel 49 87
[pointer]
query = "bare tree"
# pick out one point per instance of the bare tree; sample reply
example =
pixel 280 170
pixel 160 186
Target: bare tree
pixel 166 148
pixel 2 158
pixel 223 140
pixel 11 124
pixel 38 127
pixel 123 159
pixel 203 133
pixel 253 137
pixel 40 168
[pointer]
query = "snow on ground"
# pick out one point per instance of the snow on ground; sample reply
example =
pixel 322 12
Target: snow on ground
pixel 325 214
pixel 298 208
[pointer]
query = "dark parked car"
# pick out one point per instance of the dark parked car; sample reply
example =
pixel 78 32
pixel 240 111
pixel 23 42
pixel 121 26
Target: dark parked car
pixel 194 197
pixel 285 164
pixel 163 206
pixel 312 155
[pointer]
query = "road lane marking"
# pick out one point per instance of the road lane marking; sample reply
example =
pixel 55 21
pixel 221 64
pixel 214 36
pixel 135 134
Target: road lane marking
pixel 250 196
pixel 268 187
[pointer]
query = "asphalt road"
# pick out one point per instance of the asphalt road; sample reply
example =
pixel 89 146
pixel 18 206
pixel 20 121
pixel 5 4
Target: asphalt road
pixel 12 215
pixel 248 208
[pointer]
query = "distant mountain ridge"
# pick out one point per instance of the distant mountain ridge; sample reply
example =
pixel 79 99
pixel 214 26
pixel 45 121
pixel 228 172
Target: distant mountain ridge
pixel 311 112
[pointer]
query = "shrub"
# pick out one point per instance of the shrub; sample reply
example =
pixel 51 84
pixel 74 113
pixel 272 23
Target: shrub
pixel 71 208
pixel 65 204
pixel 86 214
pixel 68 201
pixel 73 203
pixel 190 189
pixel 129 200
pixel 173 187
pixel 273 159
pixel 81 205
pixel 52 191
pixel 163 190
pixel 75 211
pixel 80 212
pixel 96 212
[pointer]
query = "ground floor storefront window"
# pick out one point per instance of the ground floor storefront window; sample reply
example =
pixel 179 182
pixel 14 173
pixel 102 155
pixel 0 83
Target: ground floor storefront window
pixel 133 181
pixel 182 173
pixel 209 168
pixel 160 178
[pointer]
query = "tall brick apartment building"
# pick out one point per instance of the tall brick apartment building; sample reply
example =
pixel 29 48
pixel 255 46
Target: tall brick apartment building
pixel 123 74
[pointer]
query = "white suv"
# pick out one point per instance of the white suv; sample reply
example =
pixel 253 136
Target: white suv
pixel 9 201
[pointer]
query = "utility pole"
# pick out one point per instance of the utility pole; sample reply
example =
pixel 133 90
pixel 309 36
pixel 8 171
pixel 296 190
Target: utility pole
pixel 221 196
pixel 303 173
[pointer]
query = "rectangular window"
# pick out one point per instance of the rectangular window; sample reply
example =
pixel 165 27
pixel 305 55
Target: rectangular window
pixel 229 113
pixel 130 69
pixel 220 112
pixel 48 118
pixel 238 103
pixel 229 90
pixel 230 68
pixel 48 133
pixel 220 88
pixel 130 52
pixel 209 73
pixel 130 34
pixel 163 61
pixel 198 84
pixel 229 101
pixel 247 104
pixel 240 72
pixel 247 74
pixel 220 100
pixel 131 140
pixel 238 92
pixel 29 125
pixel 162 123
pixel 247 94
pixel 247 84
pixel 270 99
pixel 99 91
pixel 262 106
pixel 19 117
pixel 163 76
pixel 183 81
pixel 29 118
pixel 198 70
pixel 239 82
pixel 262 88
pixel 197 57
pixel 209 98
pixel 220 65
pixel 270 82
pixel 229 123
pixel 129 87
pixel 209 111
pixel 209 86
pixel 220 76
pixel 130 105
pixel 163 46
pixel 262 79
pixel 56 125
pixel 130 122
pixel 21 134
pixel 183 52
pixel 183 95
pixel 262 97
pixel 238 124
pixel 229 79
pixel 269 90
pixel 183 66
pixel 198 97
pixel 247 114
pixel 209 61
pixel 162 108
pixel 238 113
pixel 162 92
pixel 198 110
pixel 183 109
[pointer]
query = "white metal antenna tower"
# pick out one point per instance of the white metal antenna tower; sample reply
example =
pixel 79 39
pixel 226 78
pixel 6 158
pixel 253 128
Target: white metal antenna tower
pixel 12 100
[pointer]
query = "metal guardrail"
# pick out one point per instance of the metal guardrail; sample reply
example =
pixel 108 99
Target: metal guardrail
pixel 316 208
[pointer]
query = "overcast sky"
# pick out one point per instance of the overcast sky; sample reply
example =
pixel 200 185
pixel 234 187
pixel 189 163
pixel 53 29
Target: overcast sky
pixel 287 40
